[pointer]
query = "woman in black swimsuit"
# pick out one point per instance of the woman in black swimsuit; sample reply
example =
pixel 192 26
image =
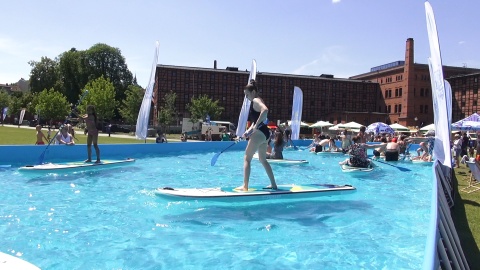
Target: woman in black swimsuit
pixel 258 135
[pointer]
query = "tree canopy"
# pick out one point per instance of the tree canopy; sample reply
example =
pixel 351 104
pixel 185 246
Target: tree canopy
pixel 202 106
pixel 101 94
pixel 72 70
pixel 4 99
pixel 130 106
pixel 167 112
pixel 52 104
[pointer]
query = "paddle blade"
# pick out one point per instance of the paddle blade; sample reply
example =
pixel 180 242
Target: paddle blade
pixel 214 159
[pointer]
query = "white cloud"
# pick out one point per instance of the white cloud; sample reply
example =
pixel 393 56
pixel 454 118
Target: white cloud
pixel 336 1
pixel 461 42
pixel 331 60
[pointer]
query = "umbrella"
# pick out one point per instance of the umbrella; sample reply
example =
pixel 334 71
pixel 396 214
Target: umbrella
pixel 399 128
pixel 466 125
pixel 336 127
pixel 302 124
pixel 471 122
pixel 379 127
pixel 351 125
pixel 321 124
pixel 428 127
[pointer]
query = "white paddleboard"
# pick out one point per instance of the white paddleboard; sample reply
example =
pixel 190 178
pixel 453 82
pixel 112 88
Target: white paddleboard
pixel 52 167
pixel 254 192
pixel 283 161
pixel 328 152
pixel 9 262
pixel 347 168
pixel 421 161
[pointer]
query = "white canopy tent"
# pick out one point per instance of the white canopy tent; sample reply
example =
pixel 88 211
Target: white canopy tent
pixel 302 124
pixel 399 128
pixel 321 124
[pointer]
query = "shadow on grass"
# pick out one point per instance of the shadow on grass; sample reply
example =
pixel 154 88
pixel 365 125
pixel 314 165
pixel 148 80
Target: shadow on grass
pixel 459 216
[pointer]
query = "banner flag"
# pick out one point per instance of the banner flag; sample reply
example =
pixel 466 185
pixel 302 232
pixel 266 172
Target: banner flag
pixel 243 117
pixel 440 96
pixel 144 113
pixel 296 112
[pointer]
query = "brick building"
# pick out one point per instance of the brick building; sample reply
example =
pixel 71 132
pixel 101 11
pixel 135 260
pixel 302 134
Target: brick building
pixel 325 97
pixel 398 92
pixel 406 88
pixel 464 95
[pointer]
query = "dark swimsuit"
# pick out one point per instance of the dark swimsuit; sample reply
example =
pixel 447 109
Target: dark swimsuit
pixel 253 116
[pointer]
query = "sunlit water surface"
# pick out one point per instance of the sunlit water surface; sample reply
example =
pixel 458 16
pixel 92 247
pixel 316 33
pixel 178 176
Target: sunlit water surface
pixel 111 219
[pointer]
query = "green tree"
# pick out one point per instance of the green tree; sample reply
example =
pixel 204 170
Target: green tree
pixel 4 99
pixel 101 94
pixel 71 74
pixel 167 112
pixel 44 75
pixel 52 104
pixel 203 105
pixel 103 60
pixel 130 106
pixel 4 102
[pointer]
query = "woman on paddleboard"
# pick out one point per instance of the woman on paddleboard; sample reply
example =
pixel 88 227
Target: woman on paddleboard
pixel 258 135
pixel 91 122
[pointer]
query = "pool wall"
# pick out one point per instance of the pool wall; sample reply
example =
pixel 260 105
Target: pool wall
pixel 19 155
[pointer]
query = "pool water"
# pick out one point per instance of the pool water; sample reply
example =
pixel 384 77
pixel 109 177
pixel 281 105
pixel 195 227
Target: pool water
pixel 111 219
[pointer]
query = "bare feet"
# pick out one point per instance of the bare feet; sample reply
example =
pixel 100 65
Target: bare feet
pixel 274 187
pixel 98 162
pixel 241 188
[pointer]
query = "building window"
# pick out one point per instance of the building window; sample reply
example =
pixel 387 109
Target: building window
pixel 386 93
pixel 396 92
pixel 426 109
pixel 399 108
pixel 421 108
pixel 421 92
pixel 389 108
pixel 426 92
pixel 400 92
pixel 395 110
pixel 474 103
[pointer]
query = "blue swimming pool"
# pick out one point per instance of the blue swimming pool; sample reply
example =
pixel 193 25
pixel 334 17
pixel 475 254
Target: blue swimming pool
pixel 111 219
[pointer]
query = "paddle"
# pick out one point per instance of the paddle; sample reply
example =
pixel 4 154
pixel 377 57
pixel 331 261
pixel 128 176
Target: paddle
pixel 42 156
pixel 214 158
pixel 400 168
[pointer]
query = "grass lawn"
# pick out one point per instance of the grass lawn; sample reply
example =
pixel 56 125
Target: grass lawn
pixel 466 212
pixel 15 136
pixel 466 216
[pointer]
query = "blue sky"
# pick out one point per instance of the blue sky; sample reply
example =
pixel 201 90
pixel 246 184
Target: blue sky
pixel 308 37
